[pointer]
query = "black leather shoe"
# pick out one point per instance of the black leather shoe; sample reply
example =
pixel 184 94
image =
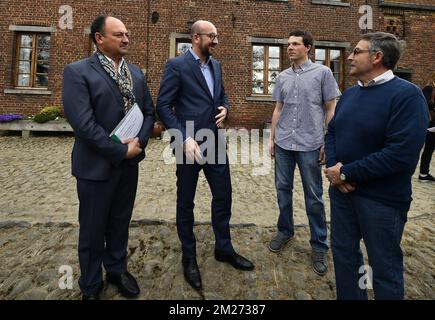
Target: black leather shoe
pixel 191 273
pixel 94 296
pixel 91 297
pixel 234 259
pixel 126 283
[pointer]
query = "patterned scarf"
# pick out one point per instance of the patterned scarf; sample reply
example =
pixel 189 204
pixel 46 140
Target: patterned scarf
pixel 123 79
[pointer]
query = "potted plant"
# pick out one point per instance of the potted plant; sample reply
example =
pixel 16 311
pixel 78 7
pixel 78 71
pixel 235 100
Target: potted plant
pixel 10 117
pixel 158 128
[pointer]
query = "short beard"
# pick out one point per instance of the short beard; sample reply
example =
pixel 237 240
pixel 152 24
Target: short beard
pixel 205 51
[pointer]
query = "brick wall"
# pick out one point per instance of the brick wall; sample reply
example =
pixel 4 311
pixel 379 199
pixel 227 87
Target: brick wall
pixel 234 19
pixel 419 33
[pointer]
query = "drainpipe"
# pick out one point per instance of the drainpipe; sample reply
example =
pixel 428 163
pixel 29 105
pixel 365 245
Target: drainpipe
pixel 148 38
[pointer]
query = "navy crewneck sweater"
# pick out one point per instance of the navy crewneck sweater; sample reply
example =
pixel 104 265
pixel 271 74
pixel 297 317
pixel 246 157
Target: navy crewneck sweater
pixel 377 133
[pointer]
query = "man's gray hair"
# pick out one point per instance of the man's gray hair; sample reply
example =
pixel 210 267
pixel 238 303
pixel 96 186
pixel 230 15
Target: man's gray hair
pixel 388 44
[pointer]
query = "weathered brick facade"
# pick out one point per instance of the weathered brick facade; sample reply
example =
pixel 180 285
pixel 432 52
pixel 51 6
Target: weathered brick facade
pixel 236 20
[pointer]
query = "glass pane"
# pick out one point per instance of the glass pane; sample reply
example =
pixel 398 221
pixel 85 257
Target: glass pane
pixel 23 80
pixel 337 78
pixel 42 67
pixel 334 54
pixel 320 54
pixel 43 54
pixel 257 75
pixel 257 87
pixel 271 86
pixel 321 62
pixel 273 64
pixel 273 75
pixel 24 67
pixel 183 47
pixel 26 40
pixel 44 41
pixel 274 52
pixel 258 52
pixel 25 54
pixel 258 64
pixel 258 57
pixel 41 80
pixel 335 66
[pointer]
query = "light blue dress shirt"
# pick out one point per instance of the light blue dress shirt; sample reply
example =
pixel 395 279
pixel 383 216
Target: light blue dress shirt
pixel 206 71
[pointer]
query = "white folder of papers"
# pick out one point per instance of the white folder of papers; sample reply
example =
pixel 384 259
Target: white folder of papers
pixel 129 126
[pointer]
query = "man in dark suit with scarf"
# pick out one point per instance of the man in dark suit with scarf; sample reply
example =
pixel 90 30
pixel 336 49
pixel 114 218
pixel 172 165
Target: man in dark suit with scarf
pixel 97 94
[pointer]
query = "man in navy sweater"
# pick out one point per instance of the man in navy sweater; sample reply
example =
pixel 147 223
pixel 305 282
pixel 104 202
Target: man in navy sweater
pixel 372 149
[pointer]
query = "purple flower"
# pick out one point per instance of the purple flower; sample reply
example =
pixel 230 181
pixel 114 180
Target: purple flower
pixel 10 117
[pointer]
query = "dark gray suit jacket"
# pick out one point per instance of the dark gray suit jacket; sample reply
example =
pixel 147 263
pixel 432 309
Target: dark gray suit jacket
pixel 94 106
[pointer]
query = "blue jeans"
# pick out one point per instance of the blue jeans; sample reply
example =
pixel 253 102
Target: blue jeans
pixel 311 175
pixel 355 217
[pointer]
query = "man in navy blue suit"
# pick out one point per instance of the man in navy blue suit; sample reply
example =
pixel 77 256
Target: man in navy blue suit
pixel 192 93
pixel 97 93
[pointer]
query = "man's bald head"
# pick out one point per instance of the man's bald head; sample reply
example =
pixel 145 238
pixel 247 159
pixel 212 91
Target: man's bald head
pixel 201 26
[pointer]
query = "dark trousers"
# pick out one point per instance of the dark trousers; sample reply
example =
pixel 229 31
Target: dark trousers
pixel 219 180
pixel 355 217
pixel 104 215
pixel 426 156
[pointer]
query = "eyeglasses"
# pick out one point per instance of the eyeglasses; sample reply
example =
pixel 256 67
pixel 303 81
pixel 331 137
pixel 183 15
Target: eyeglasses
pixel 357 51
pixel 212 36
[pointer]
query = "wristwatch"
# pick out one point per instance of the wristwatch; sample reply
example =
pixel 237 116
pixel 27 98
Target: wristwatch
pixel 342 175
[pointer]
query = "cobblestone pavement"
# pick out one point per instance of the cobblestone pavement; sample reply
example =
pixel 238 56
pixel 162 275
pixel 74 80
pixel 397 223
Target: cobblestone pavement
pixel 38 231
pixel 37 186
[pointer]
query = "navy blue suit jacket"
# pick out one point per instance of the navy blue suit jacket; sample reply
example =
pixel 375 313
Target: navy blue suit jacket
pixel 185 96
pixel 94 106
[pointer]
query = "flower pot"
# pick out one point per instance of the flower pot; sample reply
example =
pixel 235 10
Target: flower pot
pixel 158 129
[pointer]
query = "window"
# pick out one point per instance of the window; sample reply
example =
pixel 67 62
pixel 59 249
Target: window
pixel 331 3
pixel 334 59
pixel 32 60
pixel 179 43
pixel 266 65
pixel 183 45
